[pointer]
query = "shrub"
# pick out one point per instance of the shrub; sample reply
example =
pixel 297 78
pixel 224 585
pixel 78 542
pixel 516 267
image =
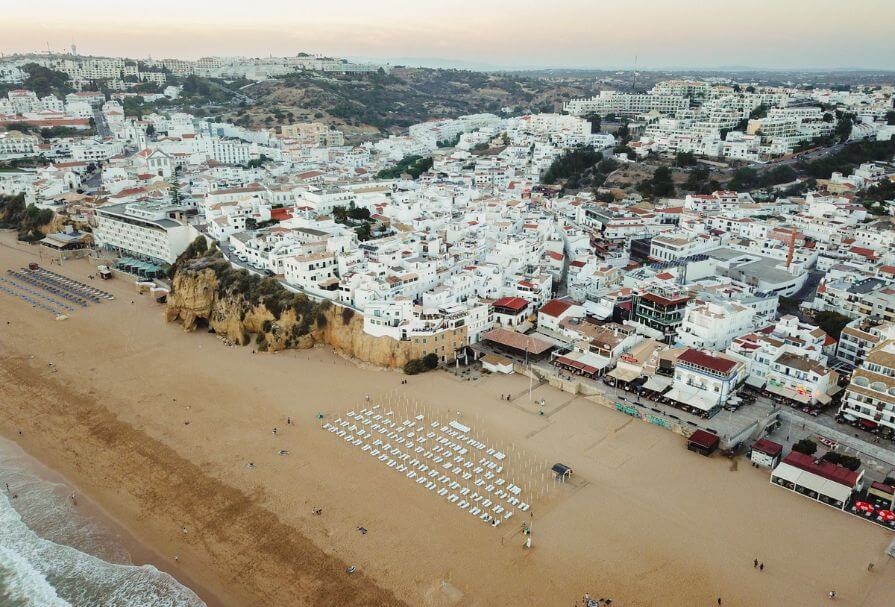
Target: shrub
pixel 415 366
pixel 806 446
pixel 847 461
pixel 347 315
pixel 430 361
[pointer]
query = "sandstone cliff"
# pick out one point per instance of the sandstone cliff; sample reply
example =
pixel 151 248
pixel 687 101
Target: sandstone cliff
pixel 197 299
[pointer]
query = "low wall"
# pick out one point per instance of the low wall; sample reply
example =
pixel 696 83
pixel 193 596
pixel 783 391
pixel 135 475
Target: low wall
pixel 595 395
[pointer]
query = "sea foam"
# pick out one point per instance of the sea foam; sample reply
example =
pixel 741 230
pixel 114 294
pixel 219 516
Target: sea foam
pixel 40 565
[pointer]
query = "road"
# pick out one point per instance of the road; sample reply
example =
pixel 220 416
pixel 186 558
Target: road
pixel 102 127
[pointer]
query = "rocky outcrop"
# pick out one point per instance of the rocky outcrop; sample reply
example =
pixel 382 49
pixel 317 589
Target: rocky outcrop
pixel 197 301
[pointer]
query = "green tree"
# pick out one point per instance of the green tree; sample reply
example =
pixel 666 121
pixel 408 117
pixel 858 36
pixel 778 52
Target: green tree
pixel 831 322
pixel 684 159
pixel 44 81
pixel 759 112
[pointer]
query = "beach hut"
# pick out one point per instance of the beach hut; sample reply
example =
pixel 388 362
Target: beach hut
pixel 104 272
pixel 562 471
pixel 497 364
pixel 882 494
pixel 766 453
pixel 703 442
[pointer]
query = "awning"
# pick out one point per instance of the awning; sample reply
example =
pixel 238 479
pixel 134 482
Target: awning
pixel 657 383
pixel 584 362
pixel 824 399
pixel 787 393
pixel 624 374
pixel 691 397
pixel 755 381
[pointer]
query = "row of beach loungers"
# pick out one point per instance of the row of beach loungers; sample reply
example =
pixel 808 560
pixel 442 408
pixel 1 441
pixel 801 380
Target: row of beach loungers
pixel 441 457
pixel 39 301
pixel 61 286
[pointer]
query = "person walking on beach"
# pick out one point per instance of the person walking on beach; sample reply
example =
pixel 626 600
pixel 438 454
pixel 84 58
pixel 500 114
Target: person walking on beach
pixel 755 564
pixel 719 600
pixel 761 566
pixel 869 565
pixel 832 594
pixel 274 431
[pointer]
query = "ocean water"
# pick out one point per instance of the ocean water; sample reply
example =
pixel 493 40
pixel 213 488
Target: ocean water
pixel 52 555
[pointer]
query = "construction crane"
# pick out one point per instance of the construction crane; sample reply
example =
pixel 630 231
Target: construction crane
pixel 792 248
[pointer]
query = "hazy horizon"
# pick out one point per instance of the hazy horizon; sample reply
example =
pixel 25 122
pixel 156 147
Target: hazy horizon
pixel 496 34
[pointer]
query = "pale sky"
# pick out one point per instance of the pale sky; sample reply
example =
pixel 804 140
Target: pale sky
pixel 511 33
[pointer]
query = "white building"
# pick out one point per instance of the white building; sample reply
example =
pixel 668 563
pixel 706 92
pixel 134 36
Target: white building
pixel 143 230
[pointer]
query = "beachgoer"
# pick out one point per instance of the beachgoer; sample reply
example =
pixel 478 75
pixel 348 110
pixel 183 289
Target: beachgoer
pixel 761 566
pixel 176 558
pixel 832 594
pixel 870 567
pixel 274 431
pixel 288 421
pixel 719 600
pixel 755 563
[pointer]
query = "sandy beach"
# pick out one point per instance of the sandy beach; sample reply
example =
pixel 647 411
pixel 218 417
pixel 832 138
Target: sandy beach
pixel 157 426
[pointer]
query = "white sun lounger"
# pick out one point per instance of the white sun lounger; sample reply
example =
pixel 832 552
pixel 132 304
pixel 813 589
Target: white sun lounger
pixel 475 511
pixel 453 498
pixel 523 507
pixel 508 515
pixel 442 492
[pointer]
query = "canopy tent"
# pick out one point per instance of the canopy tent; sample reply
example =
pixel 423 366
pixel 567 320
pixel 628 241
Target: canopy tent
pixel 141 268
pixel 692 397
pixel 812 482
pixel 658 383
pixel 624 374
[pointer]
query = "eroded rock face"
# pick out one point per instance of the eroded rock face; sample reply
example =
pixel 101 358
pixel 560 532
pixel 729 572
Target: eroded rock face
pixel 194 299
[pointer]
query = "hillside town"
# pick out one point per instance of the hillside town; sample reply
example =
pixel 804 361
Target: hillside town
pixel 737 309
